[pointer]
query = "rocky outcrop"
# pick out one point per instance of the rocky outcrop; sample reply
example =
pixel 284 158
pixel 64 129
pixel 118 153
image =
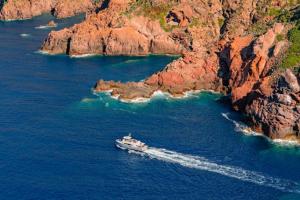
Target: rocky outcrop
pixel 277 114
pixel 219 51
pixel 26 9
pixel 250 62
pixel 185 74
pixel 268 97
pixel 118 30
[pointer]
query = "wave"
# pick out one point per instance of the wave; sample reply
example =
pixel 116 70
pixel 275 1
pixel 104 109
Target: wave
pixel 43 52
pixel 243 128
pixel 83 55
pixel 25 35
pixel 44 27
pixel 286 143
pixel 202 163
pixel 156 94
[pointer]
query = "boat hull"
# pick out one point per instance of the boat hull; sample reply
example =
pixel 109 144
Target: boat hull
pixel 123 146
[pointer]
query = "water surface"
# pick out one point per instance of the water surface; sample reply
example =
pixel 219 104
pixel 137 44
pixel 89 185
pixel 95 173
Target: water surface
pixel 57 138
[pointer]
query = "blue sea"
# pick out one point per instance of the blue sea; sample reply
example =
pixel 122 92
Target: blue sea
pixel 57 137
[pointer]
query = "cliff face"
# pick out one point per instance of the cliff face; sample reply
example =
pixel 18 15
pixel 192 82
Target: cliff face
pixel 25 9
pixel 129 28
pixel 234 47
pixel 267 96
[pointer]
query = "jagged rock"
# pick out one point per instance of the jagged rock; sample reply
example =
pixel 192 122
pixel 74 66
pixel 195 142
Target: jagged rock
pixel 291 80
pixel 283 99
pixel 26 9
pixel 51 24
pixel 218 53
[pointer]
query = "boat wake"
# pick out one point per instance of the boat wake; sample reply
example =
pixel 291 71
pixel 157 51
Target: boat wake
pixel 202 163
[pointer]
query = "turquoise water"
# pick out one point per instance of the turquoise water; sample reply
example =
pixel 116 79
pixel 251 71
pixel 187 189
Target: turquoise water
pixel 57 137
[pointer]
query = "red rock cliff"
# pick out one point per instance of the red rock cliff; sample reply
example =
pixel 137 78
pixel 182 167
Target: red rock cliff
pixel 25 9
pixel 227 46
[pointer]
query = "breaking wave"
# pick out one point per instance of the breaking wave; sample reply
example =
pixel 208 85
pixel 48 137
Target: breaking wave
pixel 241 127
pixel 155 95
pixel 44 27
pixel 25 35
pixel 202 163
pixel 83 55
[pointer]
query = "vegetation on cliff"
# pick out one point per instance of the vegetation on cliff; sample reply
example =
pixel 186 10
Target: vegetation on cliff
pixel 236 47
pixel 292 58
pixel 152 10
pixel 287 12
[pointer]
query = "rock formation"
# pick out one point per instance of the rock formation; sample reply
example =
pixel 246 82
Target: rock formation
pixel 234 47
pixel 268 97
pixel 26 9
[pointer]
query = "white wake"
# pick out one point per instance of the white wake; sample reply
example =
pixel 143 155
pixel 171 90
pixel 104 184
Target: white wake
pixel 202 163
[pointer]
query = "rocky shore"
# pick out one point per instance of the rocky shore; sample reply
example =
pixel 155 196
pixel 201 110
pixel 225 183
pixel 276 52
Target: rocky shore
pixel 229 47
pixel 26 9
pixel 243 49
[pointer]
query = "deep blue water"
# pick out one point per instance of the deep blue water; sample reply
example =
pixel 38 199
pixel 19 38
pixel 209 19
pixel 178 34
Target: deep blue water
pixel 57 138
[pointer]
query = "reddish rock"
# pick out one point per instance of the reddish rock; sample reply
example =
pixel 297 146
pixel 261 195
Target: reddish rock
pixel 100 34
pixel 68 8
pixel 177 78
pixel 51 24
pixel 246 70
pixel 215 56
pixel 26 9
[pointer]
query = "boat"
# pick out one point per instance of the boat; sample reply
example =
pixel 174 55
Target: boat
pixel 129 143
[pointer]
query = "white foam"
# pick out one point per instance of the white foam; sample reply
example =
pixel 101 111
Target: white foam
pixel 43 52
pixel 45 27
pixel 25 35
pixel 135 100
pixel 288 143
pixel 243 128
pixel 83 55
pixel 156 94
pixel 202 163
pixel 12 20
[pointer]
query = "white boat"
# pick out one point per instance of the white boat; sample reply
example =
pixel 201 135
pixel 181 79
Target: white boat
pixel 128 143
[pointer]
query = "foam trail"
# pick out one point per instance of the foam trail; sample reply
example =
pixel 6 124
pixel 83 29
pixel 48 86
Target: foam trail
pixel 201 163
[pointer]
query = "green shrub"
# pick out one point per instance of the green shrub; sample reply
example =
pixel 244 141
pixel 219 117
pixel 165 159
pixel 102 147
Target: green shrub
pixel 274 12
pixel 292 58
pixel 195 23
pixel 279 37
pixel 155 12
pixel 221 21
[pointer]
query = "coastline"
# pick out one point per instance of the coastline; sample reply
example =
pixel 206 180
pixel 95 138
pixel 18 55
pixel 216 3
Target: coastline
pixel 157 93
pixel 248 131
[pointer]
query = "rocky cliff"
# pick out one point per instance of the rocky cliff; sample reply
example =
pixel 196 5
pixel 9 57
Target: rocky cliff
pixel 246 49
pixel 26 9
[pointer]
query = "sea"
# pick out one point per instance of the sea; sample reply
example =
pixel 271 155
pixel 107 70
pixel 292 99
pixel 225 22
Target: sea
pixel 57 137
